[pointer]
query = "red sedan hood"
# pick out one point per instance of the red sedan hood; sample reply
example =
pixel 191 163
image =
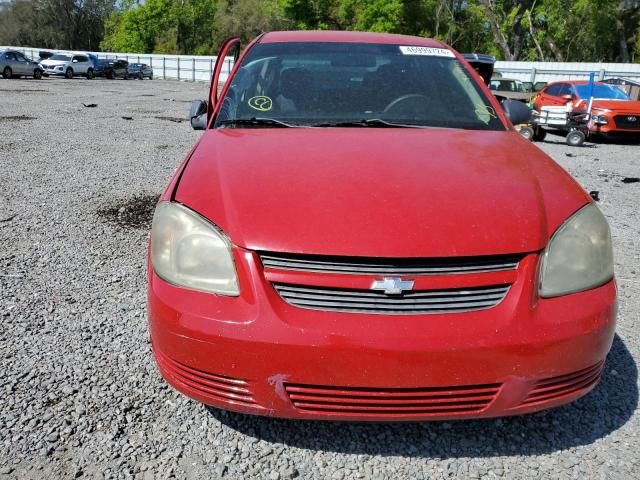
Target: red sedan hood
pixel 378 192
pixel 623 106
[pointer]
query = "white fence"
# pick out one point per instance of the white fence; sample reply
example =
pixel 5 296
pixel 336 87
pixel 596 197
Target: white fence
pixel 552 71
pixel 168 67
pixel 199 68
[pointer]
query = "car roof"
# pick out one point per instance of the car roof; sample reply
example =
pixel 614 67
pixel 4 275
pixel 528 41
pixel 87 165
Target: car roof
pixel 348 37
pixel 507 79
pixel 479 58
pixel 574 82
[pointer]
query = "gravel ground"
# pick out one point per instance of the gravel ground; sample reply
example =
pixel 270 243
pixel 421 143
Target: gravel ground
pixel 80 394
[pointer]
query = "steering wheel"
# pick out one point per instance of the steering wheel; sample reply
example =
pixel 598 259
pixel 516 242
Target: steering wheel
pixel 404 98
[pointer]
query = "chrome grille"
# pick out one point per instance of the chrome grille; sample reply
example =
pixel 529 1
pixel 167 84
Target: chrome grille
pixel 389 266
pixel 412 302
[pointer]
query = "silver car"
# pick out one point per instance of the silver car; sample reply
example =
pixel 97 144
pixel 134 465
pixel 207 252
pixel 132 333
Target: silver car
pixel 14 64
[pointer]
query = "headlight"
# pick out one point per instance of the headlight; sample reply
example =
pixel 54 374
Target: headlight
pixel 600 120
pixel 579 256
pixel 189 251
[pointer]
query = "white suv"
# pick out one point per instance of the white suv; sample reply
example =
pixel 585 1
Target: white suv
pixel 69 65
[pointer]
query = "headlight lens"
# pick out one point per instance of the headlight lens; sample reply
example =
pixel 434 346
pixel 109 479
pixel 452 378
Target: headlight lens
pixel 600 120
pixel 189 251
pixel 579 256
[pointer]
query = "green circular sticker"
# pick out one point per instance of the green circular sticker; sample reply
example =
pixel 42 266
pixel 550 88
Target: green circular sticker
pixel 261 103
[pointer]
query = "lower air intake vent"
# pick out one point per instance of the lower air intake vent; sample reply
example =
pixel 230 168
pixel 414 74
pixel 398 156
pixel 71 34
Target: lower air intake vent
pixel 413 302
pixel 226 388
pixel 560 386
pixel 392 401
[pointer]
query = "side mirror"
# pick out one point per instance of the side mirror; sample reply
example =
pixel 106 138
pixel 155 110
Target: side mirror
pixel 567 97
pixel 517 112
pixel 198 114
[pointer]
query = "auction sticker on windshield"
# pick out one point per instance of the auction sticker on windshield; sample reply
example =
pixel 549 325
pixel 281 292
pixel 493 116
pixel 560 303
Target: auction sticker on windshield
pixel 429 51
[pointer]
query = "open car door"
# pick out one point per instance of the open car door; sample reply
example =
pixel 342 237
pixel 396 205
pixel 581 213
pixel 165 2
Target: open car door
pixel 225 61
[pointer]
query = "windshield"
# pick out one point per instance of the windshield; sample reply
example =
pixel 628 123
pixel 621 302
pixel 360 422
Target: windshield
pixel 333 84
pixel 65 58
pixel 601 91
pixel 507 86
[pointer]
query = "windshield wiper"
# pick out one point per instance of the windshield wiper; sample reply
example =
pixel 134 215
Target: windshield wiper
pixel 256 122
pixel 368 122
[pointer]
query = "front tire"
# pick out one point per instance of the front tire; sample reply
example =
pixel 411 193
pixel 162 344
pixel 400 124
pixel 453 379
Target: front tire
pixel 68 74
pixel 90 74
pixel 37 74
pixel 575 138
pixel 140 76
pixel 527 132
pixel 7 72
pixel 539 134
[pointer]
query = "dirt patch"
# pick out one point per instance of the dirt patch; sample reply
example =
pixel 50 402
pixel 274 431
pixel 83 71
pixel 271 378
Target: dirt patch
pixel 23 90
pixel 172 119
pixel 16 118
pixel 162 147
pixel 136 212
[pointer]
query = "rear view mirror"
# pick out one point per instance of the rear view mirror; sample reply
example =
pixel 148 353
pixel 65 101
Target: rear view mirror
pixel 517 112
pixel 198 114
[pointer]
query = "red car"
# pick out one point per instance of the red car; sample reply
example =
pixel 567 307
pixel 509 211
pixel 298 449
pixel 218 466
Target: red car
pixel 361 234
pixel 613 111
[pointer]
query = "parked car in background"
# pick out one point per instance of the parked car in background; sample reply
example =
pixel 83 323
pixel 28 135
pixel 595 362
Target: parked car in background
pixel 360 234
pixel 69 65
pixel 15 64
pixel 629 86
pixel 140 71
pixel 112 68
pixel 482 63
pixel 43 55
pixel 94 60
pixel 510 88
pixel 613 112
pixel 539 86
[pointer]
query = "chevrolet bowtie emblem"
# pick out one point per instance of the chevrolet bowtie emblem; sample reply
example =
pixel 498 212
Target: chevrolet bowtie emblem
pixel 392 285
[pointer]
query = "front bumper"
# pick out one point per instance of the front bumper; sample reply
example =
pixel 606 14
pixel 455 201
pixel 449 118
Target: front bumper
pixel 618 124
pixel 257 354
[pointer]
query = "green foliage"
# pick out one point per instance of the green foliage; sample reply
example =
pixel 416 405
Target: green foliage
pixel 162 26
pixel 564 30
pixel 247 19
pixel 74 24
pixel 312 14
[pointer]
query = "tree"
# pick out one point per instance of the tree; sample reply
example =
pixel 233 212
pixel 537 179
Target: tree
pixel 70 24
pixel 247 19
pixel 562 30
